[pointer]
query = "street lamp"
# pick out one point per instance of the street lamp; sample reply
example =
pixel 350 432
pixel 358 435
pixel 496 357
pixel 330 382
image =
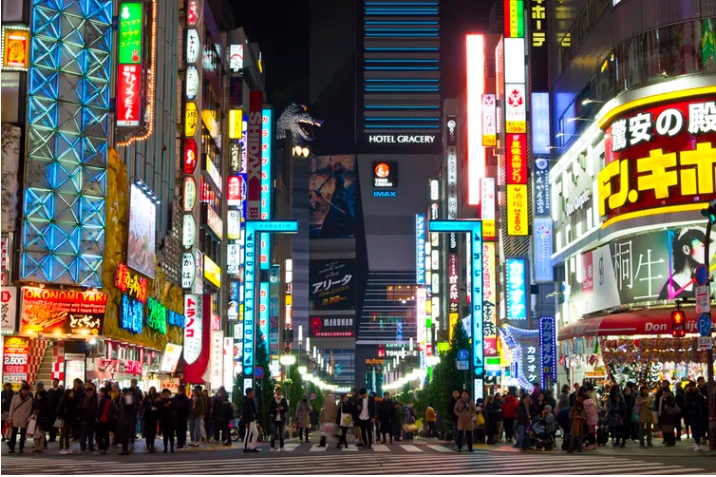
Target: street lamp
pixel 288 360
pixel 300 342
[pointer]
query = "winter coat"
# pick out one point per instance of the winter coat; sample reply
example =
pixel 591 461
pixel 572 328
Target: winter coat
pixel 451 408
pixel 696 405
pixel 126 422
pixel 523 415
pixel 223 411
pixel 44 409
pixel 430 414
pixel 645 405
pixel 183 408
pixel 629 402
pixel 328 413
pixel 152 411
pixel 88 409
pixel 303 415
pixel 617 413
pixel 592 413
pixel 6 400
pixel 344 408
pixel 66 410
pixel 578 418
pixel 248 411
pixel 670 413
pixel 55 395
pixel 464 414
pixel 168 409
pixel 408 417
pixel 509 408
pixel 20 410
pixel 497 409
pixel 275 413
pixel 386 412
pixel 562 403
pixel 198 406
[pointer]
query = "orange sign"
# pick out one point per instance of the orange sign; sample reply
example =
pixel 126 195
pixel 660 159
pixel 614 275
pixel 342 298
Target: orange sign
pixel 16 48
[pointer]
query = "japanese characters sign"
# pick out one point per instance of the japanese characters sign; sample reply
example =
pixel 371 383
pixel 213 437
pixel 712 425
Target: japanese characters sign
pixel 542 202
pixel 524 346
pixel 516 153
pixel 538 17
pixel 487 207
pixel 170 358
pixel 452 182
pixel 264 312
pixel 131 283
pixel 193 342
pixel 236 58
pixel 193 46
pixel 517 217
pixel 548 347
pixel 16 351
pixel 131 314
pixel 515 109
pixel 188 271
pixel 128 95
pixel 514 19
pixel 191 120
pixel 658 159
pixel 157 316
pixel 189 156
pixel 517 289
pixel 420 249
pixel 71 312
pixel 8 309
pixel 332 284
pixel 332 326
pixel 543 249
pixel 130 33
pixel 16 47
pixel 489 120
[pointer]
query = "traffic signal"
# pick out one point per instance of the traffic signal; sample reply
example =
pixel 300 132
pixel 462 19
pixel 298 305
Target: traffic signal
pixel 678 322
pixel 710 212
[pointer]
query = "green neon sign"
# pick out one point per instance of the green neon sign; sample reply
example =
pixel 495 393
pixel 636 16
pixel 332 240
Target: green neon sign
pixel 130 33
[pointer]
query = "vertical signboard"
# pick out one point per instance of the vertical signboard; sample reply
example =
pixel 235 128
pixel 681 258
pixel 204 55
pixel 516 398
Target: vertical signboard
pixel 548 347
pixel 256 102
pixel 489 120
pixel 542 191
pixel 264 313
pixel 489 286
pixel 543 250
pixel 476 166
pixel 514 18
pixel 265 213
pixel 228 364
pixel 197 310
pixel 217 359
pixel 517 219
pixel 517 291
pixel 249 312
pixel 452 182
pixel 420 303
pixel 129 75
pixel 420 249
pixel 487 207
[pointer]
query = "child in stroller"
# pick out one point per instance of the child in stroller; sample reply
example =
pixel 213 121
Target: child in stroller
pixel 603 429
pixel 541 432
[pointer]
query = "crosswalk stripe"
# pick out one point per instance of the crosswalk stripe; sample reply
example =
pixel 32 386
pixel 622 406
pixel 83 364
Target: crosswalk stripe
pixel 381 448
pixel 317 448
pixel 350 449
pixel 410 448
pixel 441 449
pixel 290 447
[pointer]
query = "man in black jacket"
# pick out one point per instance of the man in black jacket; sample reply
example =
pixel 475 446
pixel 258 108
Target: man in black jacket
pixel 249 416
pixel 183 404
pixel 451 412
pixel 386 416
pixel 54 394
pixel 366 416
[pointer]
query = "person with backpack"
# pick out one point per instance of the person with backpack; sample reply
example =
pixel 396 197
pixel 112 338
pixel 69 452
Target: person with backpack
pixel 106 414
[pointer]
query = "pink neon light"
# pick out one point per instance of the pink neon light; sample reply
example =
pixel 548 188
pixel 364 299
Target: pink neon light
pixel 475 47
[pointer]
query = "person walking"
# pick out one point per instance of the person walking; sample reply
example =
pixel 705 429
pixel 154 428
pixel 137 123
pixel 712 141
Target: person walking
pixel 464 410
pixel 366 417
pixel 224 414
pixel 490 420
pixel 196 416
pixel 249 416
pixel 328 419
pixel 137 398
pixel 66 411
pixel 644 404
pixel 278 408
pixel 399 421
pixel 578 416
pixel 7 395
pixel 41 408
pixel 590 405
pixel 126 420
pixel 303 418
pixel 509 413
pixel 168 411
pixel 524 416
pixel 54 394
pixel 106 413
pixel 479 421
pixel 386 417
pixel 79 396
pixel 314 418
pixel 451 412
pixel 88 420
pixel 344 419
pixel 430 422
pixel 696 405
pixel 20 411
pixel 152 414
pixel 183 404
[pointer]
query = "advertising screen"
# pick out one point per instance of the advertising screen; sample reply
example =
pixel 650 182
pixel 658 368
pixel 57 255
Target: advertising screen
pixel 141 247
pixel 332 196
pixel 45 311
pixel 332 327
pixel 332 284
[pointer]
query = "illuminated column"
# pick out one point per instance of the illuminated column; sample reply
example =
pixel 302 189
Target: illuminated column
pixel 476 167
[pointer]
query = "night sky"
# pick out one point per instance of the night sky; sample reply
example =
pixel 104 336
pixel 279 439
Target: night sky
pixel 282 30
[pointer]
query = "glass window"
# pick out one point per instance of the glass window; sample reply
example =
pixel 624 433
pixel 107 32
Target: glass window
pixel 651 59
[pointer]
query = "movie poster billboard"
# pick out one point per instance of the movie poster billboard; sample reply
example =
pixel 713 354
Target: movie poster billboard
pixel 332 196
pixel 141 248
pixel 332 284
pixel 649 267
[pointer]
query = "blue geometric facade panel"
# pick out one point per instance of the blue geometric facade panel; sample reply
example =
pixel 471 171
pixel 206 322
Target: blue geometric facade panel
pixel 68 116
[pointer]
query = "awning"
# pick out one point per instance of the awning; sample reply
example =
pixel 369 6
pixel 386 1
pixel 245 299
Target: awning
pixel 645 322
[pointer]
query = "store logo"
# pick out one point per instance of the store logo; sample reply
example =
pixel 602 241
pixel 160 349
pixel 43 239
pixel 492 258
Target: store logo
pixel 382 170
pixel 385 193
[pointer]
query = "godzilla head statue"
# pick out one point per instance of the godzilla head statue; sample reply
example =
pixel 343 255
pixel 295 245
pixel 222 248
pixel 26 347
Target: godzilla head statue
pixel 299 120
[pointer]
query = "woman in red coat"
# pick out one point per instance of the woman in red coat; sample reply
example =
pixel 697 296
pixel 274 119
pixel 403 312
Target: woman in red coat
pixel 509 412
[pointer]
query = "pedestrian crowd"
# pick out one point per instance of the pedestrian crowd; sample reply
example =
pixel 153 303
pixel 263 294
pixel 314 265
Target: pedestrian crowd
pixel 102 416
pixel 587 416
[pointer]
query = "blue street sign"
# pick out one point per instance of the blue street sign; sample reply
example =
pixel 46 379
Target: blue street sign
pixel 259 372
pixel 702 274
pixel 462 355
pixel 704 325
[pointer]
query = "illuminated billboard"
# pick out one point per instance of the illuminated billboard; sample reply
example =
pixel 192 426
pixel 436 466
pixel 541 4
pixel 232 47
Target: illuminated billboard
pixel 476 165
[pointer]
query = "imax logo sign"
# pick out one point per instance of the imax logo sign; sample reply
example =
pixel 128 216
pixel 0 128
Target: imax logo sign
pixel 385 193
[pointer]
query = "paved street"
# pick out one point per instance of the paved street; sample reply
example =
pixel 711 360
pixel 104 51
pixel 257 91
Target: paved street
pixel 420 457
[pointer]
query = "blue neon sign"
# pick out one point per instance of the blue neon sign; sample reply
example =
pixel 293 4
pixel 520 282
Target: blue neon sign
pixel 516 289
pixel 420 249
pixel 548 347
pixel 132 314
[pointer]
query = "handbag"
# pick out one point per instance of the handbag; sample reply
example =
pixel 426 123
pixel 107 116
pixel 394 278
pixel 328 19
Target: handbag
pixel 346 420
pixel 31 425
pixel 7 430
pixel 480 420
pixel 59 423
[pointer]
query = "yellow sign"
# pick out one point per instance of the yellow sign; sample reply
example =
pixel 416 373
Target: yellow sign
pixel 207 117
pixel 191 120
pixel 212 272
pixel 453 321
pixel 489 229
pixel 235 118
pixel 517 218
pixel 16 48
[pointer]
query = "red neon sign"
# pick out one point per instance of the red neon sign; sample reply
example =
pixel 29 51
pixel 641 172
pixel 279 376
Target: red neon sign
pixel 516 149
pixel 128 99
pixel 189 156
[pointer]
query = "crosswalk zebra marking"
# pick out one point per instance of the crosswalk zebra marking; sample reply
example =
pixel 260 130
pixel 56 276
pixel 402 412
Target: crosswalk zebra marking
pixel 441 449
pixel 350 449
pixel 410 448
pixel 317 448
pixel 381 448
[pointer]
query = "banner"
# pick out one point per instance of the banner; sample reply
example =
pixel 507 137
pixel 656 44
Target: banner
pixel 332 196
pixel 197 334
pixel 332 327
pixel 332 284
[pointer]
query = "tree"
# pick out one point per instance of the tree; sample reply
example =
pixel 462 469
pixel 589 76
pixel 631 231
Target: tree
pixel 264 386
